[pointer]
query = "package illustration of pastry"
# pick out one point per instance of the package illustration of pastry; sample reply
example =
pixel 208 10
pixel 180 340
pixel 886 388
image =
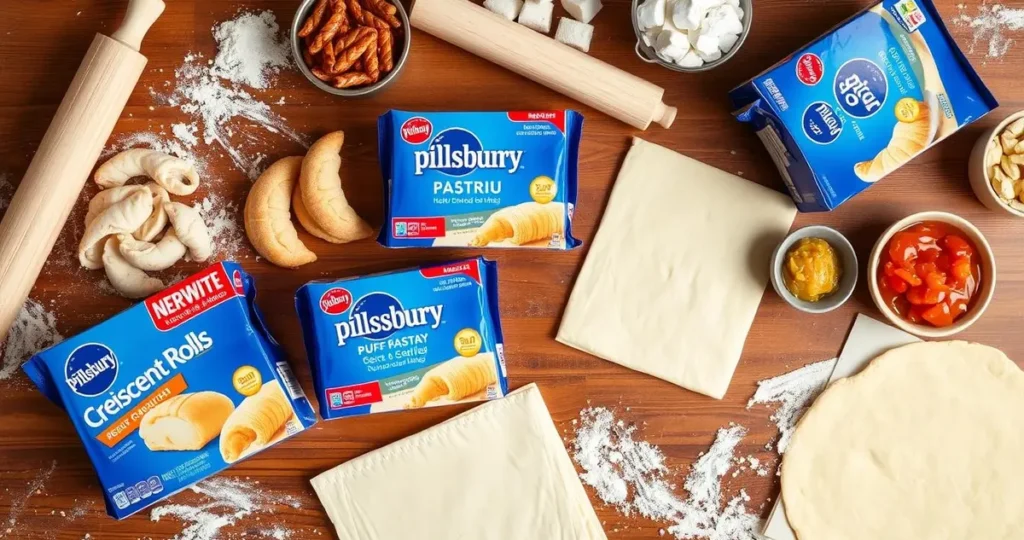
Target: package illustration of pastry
pixel 421 337
pixel 861 101
pixel 479 179
pixel 174 389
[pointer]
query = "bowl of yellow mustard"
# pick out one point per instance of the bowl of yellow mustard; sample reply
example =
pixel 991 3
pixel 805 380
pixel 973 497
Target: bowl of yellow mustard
pixel 814 269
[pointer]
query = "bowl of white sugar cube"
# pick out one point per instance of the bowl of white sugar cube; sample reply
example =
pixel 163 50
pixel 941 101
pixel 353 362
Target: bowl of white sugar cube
pixel 690 35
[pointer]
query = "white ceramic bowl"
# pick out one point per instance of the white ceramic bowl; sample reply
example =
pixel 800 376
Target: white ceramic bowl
pixel 977 172
pixel 847 258
pixel 982 298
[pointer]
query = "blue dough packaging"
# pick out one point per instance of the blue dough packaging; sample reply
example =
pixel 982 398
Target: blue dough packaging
pixel 862 100
pixel 174 389
pixel 408 339
pixel 479 179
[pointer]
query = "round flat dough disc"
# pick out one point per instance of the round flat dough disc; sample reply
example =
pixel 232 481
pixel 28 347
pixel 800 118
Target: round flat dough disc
pixel 926 442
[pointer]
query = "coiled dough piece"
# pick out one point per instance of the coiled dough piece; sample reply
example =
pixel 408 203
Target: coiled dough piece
pixel 255 422
pixel 149 256
pixel 908 140
pixel 521 224
pixel 307 220
pixel 127 280
pixel 322 195
pixel 186 421
pixel 122 217
pixel 455 380
pixel 152 227
pixel 190 229
pixel 268 221
pixel 176 175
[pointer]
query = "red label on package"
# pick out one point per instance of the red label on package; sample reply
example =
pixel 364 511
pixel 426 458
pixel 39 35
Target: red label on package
pixel 417 130
pixel 469 268
pixel 556 118
pixel 431 227
pixel 335 301
pixel 191 297
pixel 809 69
pixel 353 396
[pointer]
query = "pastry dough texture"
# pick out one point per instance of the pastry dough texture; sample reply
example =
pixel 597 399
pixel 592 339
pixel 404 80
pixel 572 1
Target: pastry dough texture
pixel 186 421
pixel 322 196
pixel 521 224
pixel 127 280
pixel 255 422
pixel 122 217
pixel 496 472
pixel 908 140
pixel 455 379
pixel 677 269
pixel 268 219
pixel 925 443
pixel 174 174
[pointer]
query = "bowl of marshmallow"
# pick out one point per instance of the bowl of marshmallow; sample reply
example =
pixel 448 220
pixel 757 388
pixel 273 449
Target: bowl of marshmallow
pixel 690 35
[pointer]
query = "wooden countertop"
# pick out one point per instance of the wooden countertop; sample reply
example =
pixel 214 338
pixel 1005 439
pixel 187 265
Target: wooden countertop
pixel 41 44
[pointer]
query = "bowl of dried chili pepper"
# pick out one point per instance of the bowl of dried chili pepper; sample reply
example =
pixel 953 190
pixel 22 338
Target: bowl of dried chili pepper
pixel 932 274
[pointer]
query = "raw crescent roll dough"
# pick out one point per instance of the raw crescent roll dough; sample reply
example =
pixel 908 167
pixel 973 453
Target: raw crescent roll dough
pixel 107 198
pixel 175 174
pixel 127 280
pixel 152 257
pixel 122 217
pixel 186 421
pixel 521 224
pixel 455 379
pixel 307 221
pixel 255 422
pixel 157 221
pixel 268 221
pixel 321 190
pixel 190 229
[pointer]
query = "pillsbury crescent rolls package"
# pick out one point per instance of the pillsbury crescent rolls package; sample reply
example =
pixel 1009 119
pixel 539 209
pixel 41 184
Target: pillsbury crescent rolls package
pixel 862 100
pixel 414 338
pixel 479 179
pixel 175 388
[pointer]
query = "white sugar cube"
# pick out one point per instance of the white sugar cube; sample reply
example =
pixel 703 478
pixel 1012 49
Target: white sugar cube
pixel 671 45
pixel 585 10
pixel 574 34
pixel 691 60
pixel 726 42
pixel 707 45
pixel 537 15
pixel 651 14
pixel 506 8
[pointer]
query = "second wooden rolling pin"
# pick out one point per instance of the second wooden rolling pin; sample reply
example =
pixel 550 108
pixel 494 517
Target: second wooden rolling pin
pixel 544 60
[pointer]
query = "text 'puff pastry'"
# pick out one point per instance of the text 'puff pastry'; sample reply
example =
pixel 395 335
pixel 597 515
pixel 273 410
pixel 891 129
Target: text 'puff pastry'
pixel 522 224
pixel 186 421
pixel 255 422
pixel 908 140
pixel 176 175
pixel 455 380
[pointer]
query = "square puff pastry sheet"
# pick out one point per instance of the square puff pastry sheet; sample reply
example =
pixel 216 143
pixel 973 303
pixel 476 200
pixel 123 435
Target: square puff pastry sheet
pixel 677 269
pixel 496 472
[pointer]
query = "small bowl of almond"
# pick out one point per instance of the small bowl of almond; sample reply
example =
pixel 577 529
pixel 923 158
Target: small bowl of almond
pixel 350 47
pixel 996 168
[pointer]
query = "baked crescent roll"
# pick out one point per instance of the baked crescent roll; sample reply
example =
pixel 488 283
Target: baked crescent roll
pixel 455 380
pixel 521 224
pixel 186 421
pixel 255 422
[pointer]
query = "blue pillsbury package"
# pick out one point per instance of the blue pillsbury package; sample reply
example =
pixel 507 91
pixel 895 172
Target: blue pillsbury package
pixel 862 100
pixel 174 389
pixel 404 340
pixel 479 179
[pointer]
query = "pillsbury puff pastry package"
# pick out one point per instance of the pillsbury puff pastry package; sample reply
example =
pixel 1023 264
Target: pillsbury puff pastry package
pixel 175 388
pixel 479 179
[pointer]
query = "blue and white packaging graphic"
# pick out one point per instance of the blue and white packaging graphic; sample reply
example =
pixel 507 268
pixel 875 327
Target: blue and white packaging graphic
pixel 479 179
pixel 862 100
pixel 414 338
pixel 174 389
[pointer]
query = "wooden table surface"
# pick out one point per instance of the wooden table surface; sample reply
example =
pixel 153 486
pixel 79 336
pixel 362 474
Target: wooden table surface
pixel 41 44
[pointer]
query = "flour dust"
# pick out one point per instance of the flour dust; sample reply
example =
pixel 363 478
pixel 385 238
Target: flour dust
pixel 33 330
pixel 223 219
pixel 224 503
pixel 793 392
pixel 990 27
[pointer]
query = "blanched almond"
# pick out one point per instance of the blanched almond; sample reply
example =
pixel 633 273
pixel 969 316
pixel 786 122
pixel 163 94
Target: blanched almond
pixel 1016 127
pixel 1008 142
pixel 1011 169
pixel 993 153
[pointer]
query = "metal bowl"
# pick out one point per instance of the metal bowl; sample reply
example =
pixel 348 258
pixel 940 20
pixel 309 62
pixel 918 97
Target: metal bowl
pixel 647 53
pixel 402 44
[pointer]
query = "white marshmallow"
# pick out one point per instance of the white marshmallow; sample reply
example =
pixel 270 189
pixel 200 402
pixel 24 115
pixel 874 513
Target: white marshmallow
pixel 721 20
pixel 537 16
pixel 687 14
pixel 707 45
pixel 671 45
pixel 651 14
pixel 691 60
pixel 574 34
pixel 582 10
pixel 726 42
pixel 506 8
pixel 650 35
pixel 712 56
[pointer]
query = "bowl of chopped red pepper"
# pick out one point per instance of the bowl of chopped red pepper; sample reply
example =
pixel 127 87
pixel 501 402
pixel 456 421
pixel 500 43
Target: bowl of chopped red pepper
pixel 932 274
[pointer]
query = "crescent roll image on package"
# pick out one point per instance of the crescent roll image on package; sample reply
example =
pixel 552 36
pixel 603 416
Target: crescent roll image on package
pixel 174 389
pixel 479 179
pixel 862 100
pixel 408 339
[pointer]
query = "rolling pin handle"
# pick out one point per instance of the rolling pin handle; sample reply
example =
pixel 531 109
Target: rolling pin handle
pixel 141 15
pixel 665 115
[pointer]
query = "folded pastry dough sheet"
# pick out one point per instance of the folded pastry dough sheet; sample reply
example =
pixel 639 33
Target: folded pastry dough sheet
pixel 677 269
pixel 496 472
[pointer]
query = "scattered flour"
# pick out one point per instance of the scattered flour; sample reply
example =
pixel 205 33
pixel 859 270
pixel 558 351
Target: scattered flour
pixel 225 501
pixel 34 330
pixel 989 27
pixel 35 487
pixel 175 146
pixel 251 48
pixel 222 218
pixel 631 476
pixel 794 391
pixel 186 133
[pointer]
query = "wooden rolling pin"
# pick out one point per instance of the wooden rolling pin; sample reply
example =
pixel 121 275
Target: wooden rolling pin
pixel 67 154
pixel 544 60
